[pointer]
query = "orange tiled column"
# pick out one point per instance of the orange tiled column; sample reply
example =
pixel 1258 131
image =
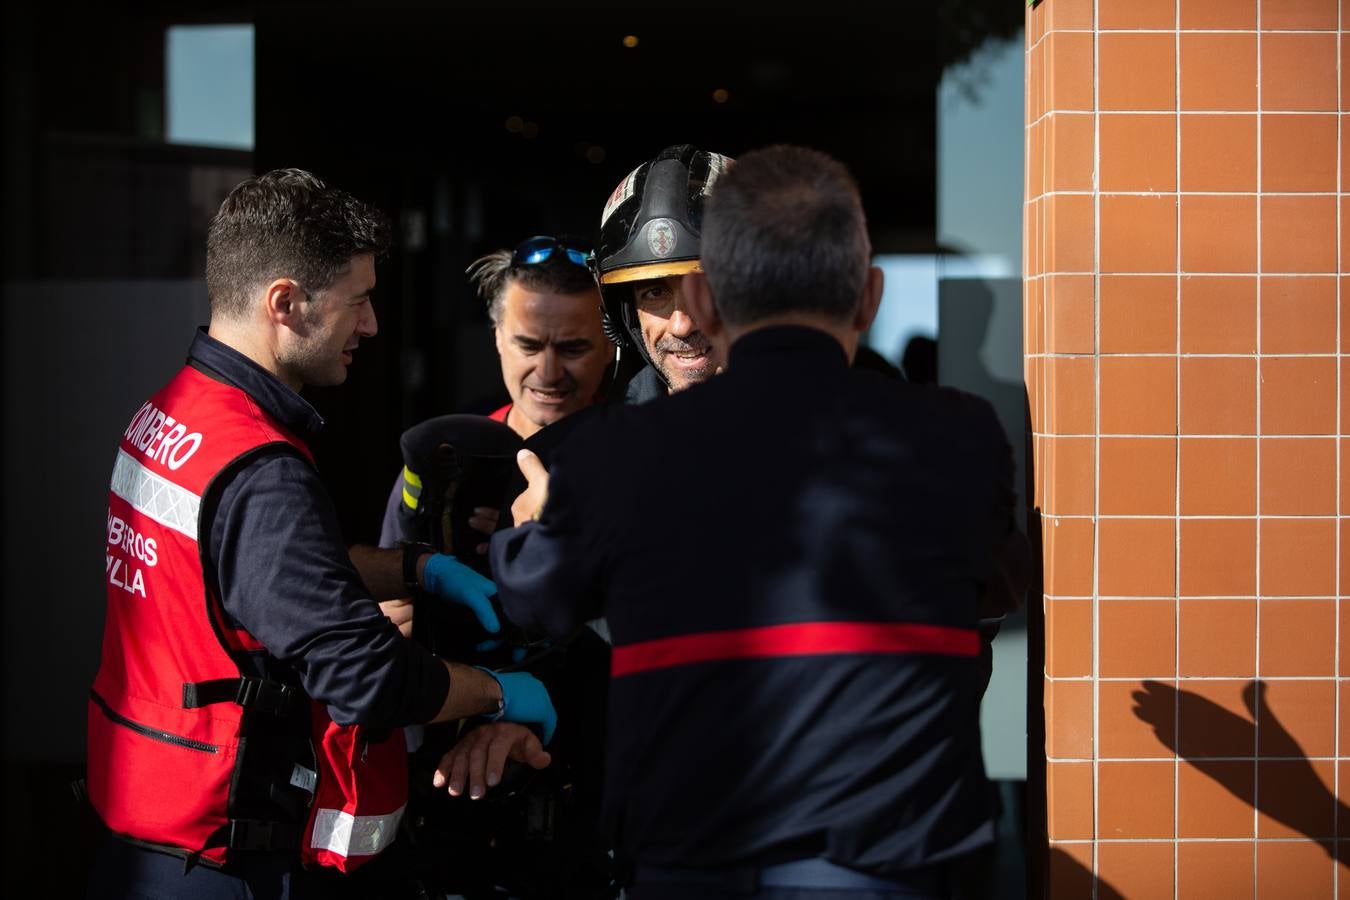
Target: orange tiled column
pixel 1184 260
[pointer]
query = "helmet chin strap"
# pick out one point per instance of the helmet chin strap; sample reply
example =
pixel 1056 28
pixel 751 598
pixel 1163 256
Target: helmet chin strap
pixel 635 336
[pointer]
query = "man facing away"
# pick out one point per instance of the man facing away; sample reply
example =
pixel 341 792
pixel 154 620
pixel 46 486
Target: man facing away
pixel 795 679
pixel 244 724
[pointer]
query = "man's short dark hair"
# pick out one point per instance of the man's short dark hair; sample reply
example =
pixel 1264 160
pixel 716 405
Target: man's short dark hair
pixel 492 272
pixel 785 232
pixel 286 224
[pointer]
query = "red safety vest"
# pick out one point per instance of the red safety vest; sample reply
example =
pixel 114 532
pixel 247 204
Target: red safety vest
pixel 191 748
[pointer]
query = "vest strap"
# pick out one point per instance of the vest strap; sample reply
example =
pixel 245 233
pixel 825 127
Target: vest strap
pixel 250 693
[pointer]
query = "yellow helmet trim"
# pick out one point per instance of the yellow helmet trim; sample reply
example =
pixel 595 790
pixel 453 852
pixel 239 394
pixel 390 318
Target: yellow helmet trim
pixel 651 270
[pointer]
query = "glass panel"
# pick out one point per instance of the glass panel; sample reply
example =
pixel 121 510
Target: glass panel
pixel 209 85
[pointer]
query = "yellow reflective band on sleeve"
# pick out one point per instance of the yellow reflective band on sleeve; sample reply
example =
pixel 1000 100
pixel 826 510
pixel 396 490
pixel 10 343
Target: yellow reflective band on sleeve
pixel 412 488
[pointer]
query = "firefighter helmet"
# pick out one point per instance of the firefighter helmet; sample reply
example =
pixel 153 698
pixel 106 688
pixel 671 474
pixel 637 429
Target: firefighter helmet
pixel 650 228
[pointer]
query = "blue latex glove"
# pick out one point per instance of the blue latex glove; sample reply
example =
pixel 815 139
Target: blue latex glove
pixel 525 700
pixel 451 580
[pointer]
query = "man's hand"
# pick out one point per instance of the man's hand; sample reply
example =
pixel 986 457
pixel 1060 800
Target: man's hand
pixel 447 577
pixel 480 756
pixel 531 501
pixel 484 519
pixel 400 612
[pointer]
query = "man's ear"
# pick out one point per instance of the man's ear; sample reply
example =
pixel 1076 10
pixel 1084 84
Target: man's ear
pixel 871 299
pixel 282 301
pixel 698 299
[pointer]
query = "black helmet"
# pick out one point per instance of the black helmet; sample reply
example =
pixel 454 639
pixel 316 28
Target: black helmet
pixel 650 228
pixel 450 465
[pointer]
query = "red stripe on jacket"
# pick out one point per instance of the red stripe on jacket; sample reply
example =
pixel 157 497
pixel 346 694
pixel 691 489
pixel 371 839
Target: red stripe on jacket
pixel 798 639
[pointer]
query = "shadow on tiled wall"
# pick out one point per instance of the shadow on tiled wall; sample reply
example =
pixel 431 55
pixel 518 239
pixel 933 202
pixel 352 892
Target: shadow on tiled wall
pixel 1292 793
pixel 1072 878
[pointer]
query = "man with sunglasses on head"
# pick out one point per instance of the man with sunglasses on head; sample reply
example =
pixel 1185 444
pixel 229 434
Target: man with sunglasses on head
pixel 544 308
pixel 545 314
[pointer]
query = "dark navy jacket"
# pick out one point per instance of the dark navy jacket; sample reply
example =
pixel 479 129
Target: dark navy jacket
pixel 283 571
pixel 818 520
pixel 644 387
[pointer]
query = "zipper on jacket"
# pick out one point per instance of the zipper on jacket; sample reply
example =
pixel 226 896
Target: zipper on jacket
pixel 154 734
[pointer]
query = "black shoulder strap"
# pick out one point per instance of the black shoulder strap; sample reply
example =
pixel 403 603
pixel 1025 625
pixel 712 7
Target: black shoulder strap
pixel 250 693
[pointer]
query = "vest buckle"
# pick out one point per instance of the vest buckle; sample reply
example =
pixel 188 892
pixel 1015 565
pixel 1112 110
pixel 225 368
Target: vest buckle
pixel 268 696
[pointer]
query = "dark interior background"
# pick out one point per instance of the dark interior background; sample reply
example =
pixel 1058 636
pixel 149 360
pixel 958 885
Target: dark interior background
pixel 410 108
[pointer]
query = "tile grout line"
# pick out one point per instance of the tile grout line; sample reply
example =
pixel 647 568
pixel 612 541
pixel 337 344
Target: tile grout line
pixel 1206 274
pixel 1199 840
pixel 1097 444
pixel 1161 31
pixel 1323 517
pixel 1211 113
pixel 1047 175
pixel 1312 195
pixel 1336 682
pixel 1155 355
pixel 1040 255
pixel 1176 552
pixel 1037 251
pixel 1163 760
pixel 1289 439
pixel 1122 679
pixel 1256 705
pixel 1135 598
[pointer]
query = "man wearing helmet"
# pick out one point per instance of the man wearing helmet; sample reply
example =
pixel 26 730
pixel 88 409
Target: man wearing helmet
pixel 802 716
pixel 649 240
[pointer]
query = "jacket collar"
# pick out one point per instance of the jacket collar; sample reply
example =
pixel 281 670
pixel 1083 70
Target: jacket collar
pixel 809 345
pixel 228 365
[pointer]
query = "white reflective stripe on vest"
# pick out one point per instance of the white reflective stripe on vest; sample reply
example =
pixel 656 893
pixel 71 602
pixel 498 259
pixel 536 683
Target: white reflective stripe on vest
pixel 349 835
pixel 162 500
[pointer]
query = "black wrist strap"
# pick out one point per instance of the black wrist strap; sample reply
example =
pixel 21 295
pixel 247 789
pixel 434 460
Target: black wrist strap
pixel 412 552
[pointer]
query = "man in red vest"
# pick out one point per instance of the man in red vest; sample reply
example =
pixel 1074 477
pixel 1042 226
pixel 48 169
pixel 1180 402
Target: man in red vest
pixel 245 722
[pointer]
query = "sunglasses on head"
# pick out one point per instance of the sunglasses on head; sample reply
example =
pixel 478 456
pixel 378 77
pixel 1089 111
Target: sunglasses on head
pixel 540 249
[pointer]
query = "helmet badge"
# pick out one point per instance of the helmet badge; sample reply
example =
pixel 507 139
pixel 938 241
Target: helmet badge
pixel 661 238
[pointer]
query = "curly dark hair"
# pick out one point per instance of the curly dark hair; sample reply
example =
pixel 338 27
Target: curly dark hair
pixel 286 224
